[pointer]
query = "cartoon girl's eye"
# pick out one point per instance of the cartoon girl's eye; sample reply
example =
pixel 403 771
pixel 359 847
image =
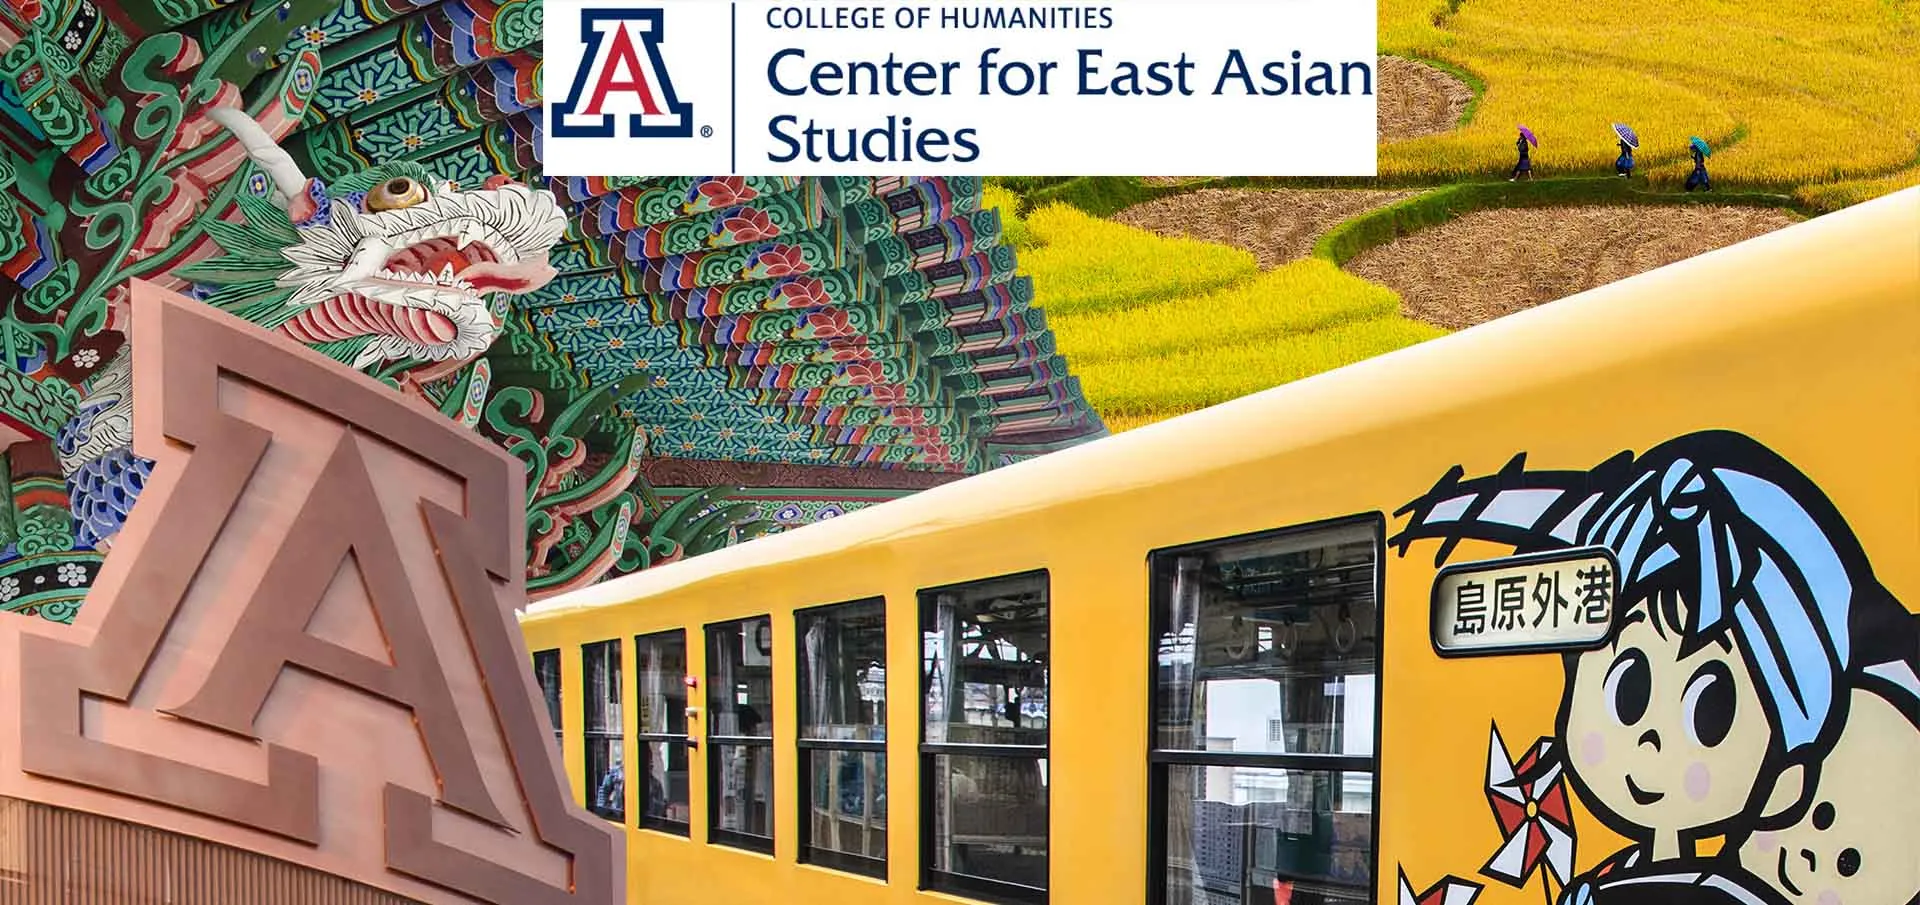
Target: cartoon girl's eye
pixel 1823 815
pixel 1707 704
pixel 1628 687
pixel 1849 862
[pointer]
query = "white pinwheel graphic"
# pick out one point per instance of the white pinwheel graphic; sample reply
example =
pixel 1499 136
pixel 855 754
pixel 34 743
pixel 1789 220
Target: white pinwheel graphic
pixel 1529 799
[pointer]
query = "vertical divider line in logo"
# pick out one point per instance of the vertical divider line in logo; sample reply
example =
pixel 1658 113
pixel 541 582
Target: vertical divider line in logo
pixel 733 89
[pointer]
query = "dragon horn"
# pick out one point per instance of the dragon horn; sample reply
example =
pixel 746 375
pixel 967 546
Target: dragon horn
pixel 288 181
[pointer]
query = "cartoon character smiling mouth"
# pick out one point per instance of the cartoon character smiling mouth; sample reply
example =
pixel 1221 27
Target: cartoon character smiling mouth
pixel 1641 796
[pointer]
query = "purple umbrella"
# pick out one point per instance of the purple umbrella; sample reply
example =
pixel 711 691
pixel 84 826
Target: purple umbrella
pixel 1626 135
pixel 1527 134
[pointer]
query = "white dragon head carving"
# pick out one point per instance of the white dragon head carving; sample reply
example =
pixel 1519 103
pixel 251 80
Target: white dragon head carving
pixel 385 265
pixel 380 270
pixel 413 280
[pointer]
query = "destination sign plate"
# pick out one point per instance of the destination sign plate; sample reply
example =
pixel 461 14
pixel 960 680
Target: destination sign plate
pixel 1563 600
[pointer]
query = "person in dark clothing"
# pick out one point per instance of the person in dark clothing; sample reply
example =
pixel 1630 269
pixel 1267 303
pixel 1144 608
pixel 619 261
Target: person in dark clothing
pixel 612 793
pixel 1698 179
pixel 1623 165
pixel 1525 166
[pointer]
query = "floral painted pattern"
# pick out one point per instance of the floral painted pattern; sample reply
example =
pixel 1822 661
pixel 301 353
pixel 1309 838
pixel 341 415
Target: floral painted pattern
pixel 742 225
pixel 380 75
pixel 774 261
pixel 864 373
pixel 804 292
pixel 827 324
pixel 718 192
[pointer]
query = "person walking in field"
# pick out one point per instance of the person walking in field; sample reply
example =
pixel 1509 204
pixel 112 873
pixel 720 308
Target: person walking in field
pixel 1525 164
pixel 1623 165
pixel 1629 142
pixel 1698 179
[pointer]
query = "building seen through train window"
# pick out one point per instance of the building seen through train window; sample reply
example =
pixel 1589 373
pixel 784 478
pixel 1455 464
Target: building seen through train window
pixel 606 772
pixel 546 671
pixel 1263 761
pixel 660 682
pixel 984 671
pixel 740 733
pixel 843 730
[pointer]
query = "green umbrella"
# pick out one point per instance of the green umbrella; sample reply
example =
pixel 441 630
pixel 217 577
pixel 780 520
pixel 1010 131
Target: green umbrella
pixel 1701 144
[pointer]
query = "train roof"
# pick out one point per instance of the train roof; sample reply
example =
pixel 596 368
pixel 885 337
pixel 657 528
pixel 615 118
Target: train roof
pixel 1869 252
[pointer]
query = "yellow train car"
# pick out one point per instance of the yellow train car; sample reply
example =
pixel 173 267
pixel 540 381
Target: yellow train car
pixel 1607 601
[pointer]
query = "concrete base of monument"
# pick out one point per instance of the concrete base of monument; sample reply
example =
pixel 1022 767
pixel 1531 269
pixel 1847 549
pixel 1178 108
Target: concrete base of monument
pixel 54 855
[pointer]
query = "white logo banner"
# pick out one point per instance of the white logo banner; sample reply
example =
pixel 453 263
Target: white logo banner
pixel 1200 87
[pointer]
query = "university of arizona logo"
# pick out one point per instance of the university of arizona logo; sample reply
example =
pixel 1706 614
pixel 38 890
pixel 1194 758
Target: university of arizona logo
pixel 621 75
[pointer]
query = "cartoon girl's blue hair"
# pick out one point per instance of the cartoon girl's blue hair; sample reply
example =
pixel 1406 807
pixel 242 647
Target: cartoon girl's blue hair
pixel 1748 558
pixel 1747 540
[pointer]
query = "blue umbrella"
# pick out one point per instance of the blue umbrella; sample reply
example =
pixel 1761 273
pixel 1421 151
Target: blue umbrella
pixel 1700 144
pixel 1626 135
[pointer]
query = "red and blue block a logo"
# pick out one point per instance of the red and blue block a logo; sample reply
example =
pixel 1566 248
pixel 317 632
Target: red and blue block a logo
pixel 622 76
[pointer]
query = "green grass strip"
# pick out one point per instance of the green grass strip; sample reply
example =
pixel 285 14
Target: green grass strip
pixel 1430 209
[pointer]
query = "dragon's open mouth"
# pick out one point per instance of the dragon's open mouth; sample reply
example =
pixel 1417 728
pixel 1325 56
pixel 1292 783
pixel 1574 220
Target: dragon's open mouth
pixel 470 266
pixel 421 274
pixel 412 281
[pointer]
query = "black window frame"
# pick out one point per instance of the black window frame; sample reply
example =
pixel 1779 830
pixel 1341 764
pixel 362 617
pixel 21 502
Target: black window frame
pixel 931 879
pixel 717 835
pixel 589 735
pixel 547 662
pixel 644 739
pixel 809 747
pixel 1160 761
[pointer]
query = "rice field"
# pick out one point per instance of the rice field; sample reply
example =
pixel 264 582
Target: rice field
pixel 1150 389
pixel 1792 94
pixel 1217 294
pixel 1418 99
pixel 1083 263
pixel 1832 196
pixel 1299 298
pixel 1013 228
pixel 1156 327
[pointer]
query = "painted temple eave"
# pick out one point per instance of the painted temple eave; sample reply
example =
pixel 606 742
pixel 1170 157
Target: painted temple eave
pixel 799 342
pixel 668 472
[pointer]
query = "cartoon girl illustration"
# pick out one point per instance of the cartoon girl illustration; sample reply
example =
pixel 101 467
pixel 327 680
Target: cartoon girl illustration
pixel 1721 687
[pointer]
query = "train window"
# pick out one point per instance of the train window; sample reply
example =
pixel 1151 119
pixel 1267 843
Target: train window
pixel 1266 664
pixel 606 772
pixel 740 733
pixel 546 671
pixel 843 731
pixel 984 661
pixel 660 667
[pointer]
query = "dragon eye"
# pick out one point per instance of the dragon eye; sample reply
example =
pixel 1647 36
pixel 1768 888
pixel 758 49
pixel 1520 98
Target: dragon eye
pixel 395 194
